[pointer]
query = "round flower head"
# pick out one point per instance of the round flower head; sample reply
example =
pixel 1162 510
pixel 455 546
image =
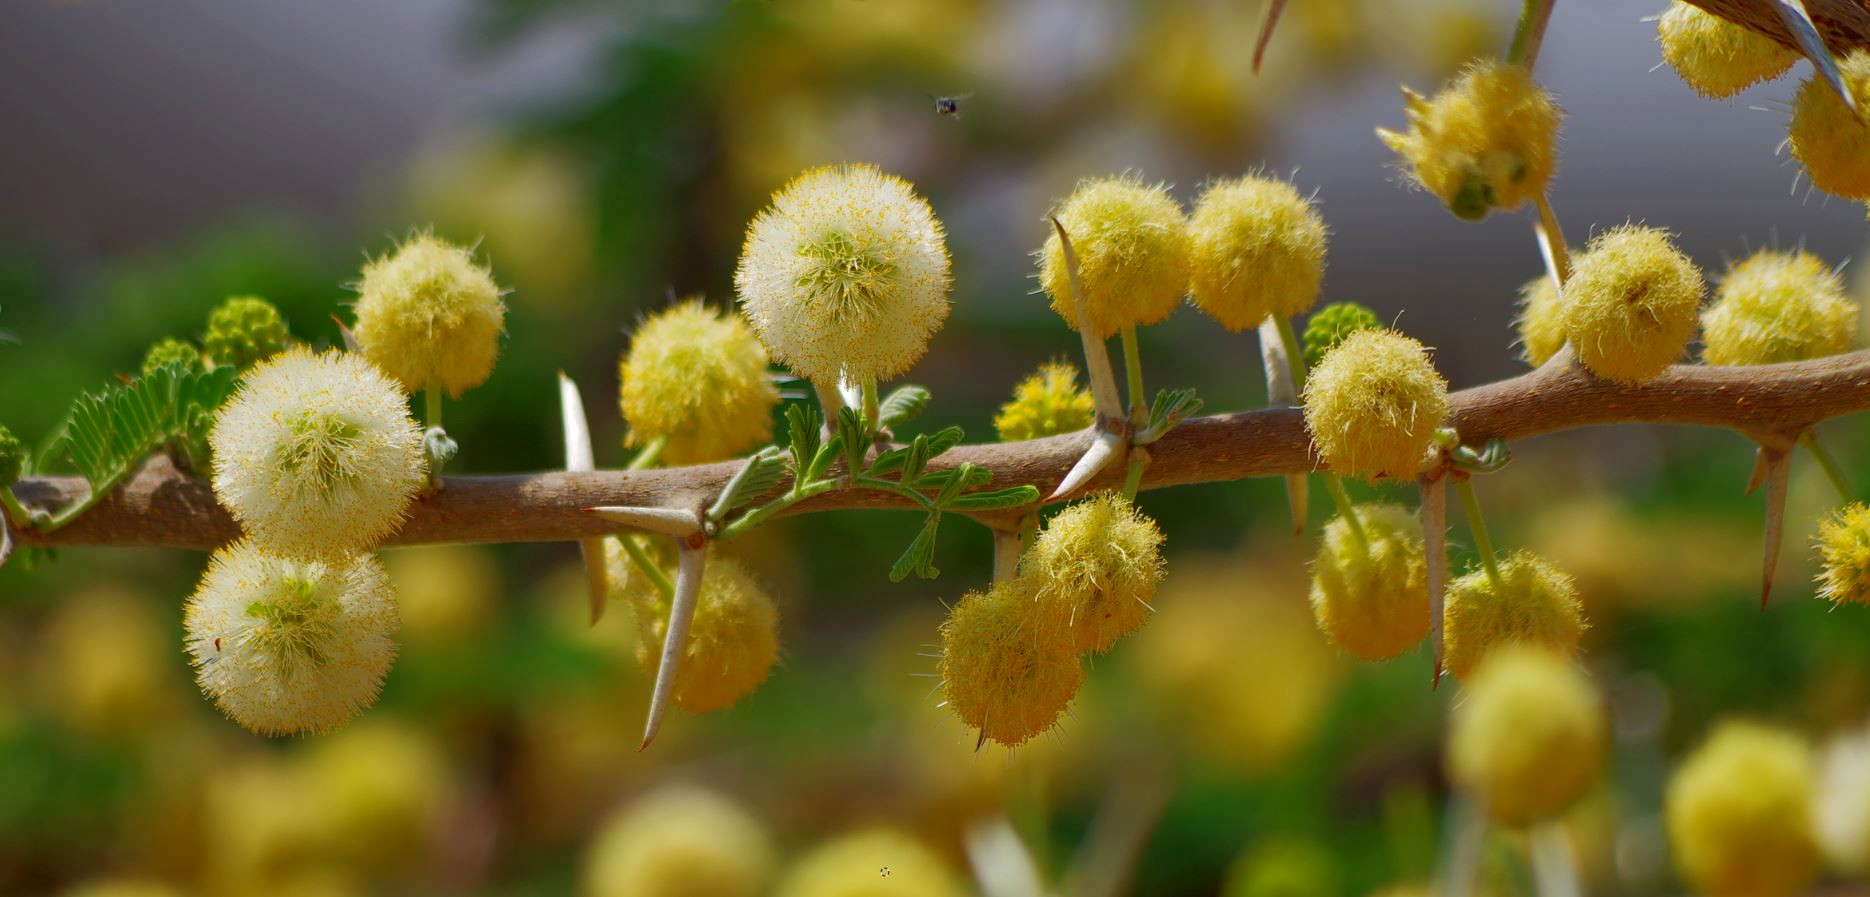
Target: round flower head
pixel 1373 404
pixel 1629 308
pixel 874 863
pixel 732 643
pixel 1528 738
pixel 697 378
pixel 1094 568
pixel 1131 240
pixel 1537 605
pixel 1371 596
pixel 1002 672
pixel 1739 813
pixel 1844 551
pixel 679 842
pixel 1541 321
pixel 1256 247
pixel 1778 306
pixel 1047 403
pixel 1331 324
pixel 317 454
pixel 1716 57
pixel 845 275
pixel 430 316
pixel 1830 140
pixel 172 351
pixel 1486 141
pixel 284 645
pixel 245 330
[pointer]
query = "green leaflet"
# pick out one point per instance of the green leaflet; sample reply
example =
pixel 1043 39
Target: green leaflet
pixel 108 433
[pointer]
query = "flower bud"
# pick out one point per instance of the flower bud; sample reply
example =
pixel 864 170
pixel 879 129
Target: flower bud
pixel 1047 403
pixel 1486 141
pixel 1093 570
pixel 171 351
pixel 1131 240
pixel 1630 305
pixel 1716 57
pixel 1828 137
pixel 1331 324
pixel 1739 813
pixel 1371 596
pixel 1001 671
pixel 1535 604
pixel 1528 738
pixel 245 330
pixel 697 378
pixel 12 457
pixel 1256 248
pixel 1373 404
pixel 1778 306
pixel 430 316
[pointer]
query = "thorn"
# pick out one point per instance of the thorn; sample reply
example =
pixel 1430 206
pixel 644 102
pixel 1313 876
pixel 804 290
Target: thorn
pixel 1281 390
pixel 580 457
pixel 1758 475
pixel 1798 21
pixel 1266 32
pixel 1435 552
pixel 1778 471
pixel 668 521
pixel 350 339
pixel 1097 368
pixel 1105 448
pixel 675 639
pixel 981 741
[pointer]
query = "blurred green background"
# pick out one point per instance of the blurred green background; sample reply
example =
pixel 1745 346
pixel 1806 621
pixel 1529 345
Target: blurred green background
pixel 163 156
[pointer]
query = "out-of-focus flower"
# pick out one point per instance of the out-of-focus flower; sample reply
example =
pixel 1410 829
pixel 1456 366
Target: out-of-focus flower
pixel 680 841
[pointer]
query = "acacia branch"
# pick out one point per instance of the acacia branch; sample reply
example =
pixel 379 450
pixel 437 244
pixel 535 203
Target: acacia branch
pixel 1844 24
pixel 1771 404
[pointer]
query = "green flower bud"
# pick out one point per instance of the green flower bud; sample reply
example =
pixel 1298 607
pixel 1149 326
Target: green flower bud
pixel 1331 324
pixel 12 457
pixel 245 329
pixel 172 351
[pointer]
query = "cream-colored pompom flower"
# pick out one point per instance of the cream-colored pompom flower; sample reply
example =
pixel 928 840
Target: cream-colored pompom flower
pixel 1778 306
pixel 697 378
pixel 1131 240
pixel 285 645
pixel 1716 57
pixel 1257 247
pixel 316 455
pixel 1631 304
pixel 845 275
pixel 430 316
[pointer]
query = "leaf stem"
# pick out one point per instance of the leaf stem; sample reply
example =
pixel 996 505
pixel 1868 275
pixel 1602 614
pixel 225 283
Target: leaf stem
pixel 432 398
pixel 1828 464
pixel 881 485
pixel 1133 478
pixel 1334 484
pixel 641 559
pixel 650 454
pixel 1533 18
pixel 1482 543
pixel 1295 355
pixel 758 515
pixel 870 403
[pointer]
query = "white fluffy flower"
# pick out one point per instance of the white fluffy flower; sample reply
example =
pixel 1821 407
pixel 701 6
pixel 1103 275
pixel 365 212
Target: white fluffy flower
pixel 285 646
pixel 317 454
pixel 845 274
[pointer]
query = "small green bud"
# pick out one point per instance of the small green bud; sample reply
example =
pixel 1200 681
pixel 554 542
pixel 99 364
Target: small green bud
pixel 245 329
pixel 172 351
pixel 1331 324
pixel 12 457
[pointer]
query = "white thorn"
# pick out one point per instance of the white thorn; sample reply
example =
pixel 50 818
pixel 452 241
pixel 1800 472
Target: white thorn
pixel 1001 863
pixel 1778 470
pixel 1435 552
pixel 1758 475
pixel 580 457
pixel 1097 366
pixel 1282 391
pixel 1798 21
pixel 1105 448
pixel 675 641
pixel 668 521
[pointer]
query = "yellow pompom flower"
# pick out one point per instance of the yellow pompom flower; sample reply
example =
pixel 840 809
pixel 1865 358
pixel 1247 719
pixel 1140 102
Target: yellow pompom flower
pixel 288 646
pixel 317 454
pixel 845 275
pixel 732 642
pixel 874 863
pixel 1371 596
pixel 1132 244
pixel 384 784
pixel 1778 306
pixel 122 887
pixel 1528 738
pixel 1094 568
pixel 1373 404
pixel 697 378
pixel 680 841
pixel 1844 551
pixel 1830 140
pixel 1002 672
pixel 1716 57
pixel 430 316
pixel 1537 604
pixel 1541 321
pixel 1256 248
pixel 1739 813
pixel 1631 304
pixel 1047 403
pixel 1486 141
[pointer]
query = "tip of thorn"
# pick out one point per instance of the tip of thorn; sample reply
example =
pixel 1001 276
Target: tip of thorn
pixel 981 741
pixel 1435 683
pixel 1765 594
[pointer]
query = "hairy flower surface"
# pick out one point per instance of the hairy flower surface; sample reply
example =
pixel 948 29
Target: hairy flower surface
pixel 697 378
pixel 1541 321
pixel 245 330
pixel 1373 404
pixel 1047 403
pixel 1716 57
pixel 1528 738
pixel 873 863
pixel 1486 141
pixel 172 351
pixel 1094 568
pixel 317 454
pixel 845 275
pixel 1844 552
pixel 1132 244
pixel 732 642
pixel 1739 813
pixel 1778 306
pixel 1331 324
pixel 430 316
pixel 1631 304
pixel 1002 670
pixel 1371 597
pixel 1537 605
pixel 1256 247
pixel 1830 140
pixel 288 646
pixel 680 841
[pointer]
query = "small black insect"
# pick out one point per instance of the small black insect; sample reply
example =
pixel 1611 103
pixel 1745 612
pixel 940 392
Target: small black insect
pixel 217 643
pixel 950 105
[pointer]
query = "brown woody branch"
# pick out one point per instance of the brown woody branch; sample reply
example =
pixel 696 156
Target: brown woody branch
pixel 1771 404
pixel 1844 24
